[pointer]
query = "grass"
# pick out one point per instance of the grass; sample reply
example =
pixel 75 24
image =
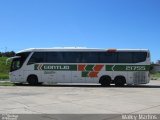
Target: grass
pixel 155 76
pixel 6 84
pixel 4 69
pixel 4 76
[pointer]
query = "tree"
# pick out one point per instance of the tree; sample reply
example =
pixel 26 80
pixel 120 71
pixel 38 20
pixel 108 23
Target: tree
pixel 0 54
pixel 7 54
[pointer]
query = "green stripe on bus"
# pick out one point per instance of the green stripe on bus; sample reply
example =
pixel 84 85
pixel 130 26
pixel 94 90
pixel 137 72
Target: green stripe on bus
pixel 55 67
pixel 89 68
pixel 85 74
pixel 127 67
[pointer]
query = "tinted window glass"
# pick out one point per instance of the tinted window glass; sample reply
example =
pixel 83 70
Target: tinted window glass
pixel 125 57
pixel 24 56
pixel 72 57
pixel 37 57
pixel 16 64
pixel 139 57
pixel 54 57
pixel 106 57
pixel 90 57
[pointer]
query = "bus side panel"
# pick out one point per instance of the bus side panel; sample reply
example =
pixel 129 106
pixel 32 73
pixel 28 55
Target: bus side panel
pixel 17 76
pixel 120 73
pixel 77 77
pixel 130 76
pixel 48 77
pixel 140 77
pixel 104 73
pixel 33 72
pixel 91 80
pixel 148 76
pixel 29 70
pixel 93 77
pixel 63 76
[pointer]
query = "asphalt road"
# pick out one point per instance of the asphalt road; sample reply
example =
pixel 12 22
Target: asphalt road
pixel 80 99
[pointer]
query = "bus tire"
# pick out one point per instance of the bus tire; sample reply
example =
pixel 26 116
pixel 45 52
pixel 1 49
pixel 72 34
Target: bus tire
pixel 120 81
pixel 105 81
pixel 32 80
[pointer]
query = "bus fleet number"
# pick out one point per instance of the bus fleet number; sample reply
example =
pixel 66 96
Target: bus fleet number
pixel 135 68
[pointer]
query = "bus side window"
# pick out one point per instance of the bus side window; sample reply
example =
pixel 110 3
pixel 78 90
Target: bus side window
pixel 125 57
pixel 72 57
pixel 108 57
pixel 139 57
pixel 37 57
pixel 90 57
pixel 54 57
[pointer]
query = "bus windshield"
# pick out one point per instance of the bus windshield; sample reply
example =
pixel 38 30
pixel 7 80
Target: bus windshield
pixel 18 61
pixel 16 64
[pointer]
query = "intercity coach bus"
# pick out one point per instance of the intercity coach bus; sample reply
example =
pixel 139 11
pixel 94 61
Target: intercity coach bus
pixel 81 65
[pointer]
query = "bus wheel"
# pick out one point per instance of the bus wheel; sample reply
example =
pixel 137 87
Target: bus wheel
pixel 32 80
pixel 105 81
pixel 120 81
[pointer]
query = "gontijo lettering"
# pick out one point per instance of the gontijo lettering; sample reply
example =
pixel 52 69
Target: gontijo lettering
pixel 56 67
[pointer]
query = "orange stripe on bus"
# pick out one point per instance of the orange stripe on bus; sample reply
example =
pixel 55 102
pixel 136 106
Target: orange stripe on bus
pixel 93 74
pixel 81 67
pixel 98 67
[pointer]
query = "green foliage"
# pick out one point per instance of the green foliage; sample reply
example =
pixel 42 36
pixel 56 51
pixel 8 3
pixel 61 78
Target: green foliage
pixel 4 76
pixel 7 54
pixel 156 74
pixel 4 69
pixel 6 84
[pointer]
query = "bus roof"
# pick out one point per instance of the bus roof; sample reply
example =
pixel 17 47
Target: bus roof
pixel 78 49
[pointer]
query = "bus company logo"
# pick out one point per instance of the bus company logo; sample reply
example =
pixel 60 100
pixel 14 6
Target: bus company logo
pixel 90 70
pixel 39 67
pixel 90 67
pixel 87 70
pixel 51 67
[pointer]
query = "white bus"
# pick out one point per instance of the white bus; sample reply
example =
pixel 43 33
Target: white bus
pixel 81 65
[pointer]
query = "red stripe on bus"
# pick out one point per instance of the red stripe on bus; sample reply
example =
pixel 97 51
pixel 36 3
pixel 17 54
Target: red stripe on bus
pixel 98 67
pixel 93 74
pixel 81 67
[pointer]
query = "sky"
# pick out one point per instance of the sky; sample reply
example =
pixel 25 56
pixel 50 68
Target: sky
pixel 121 24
